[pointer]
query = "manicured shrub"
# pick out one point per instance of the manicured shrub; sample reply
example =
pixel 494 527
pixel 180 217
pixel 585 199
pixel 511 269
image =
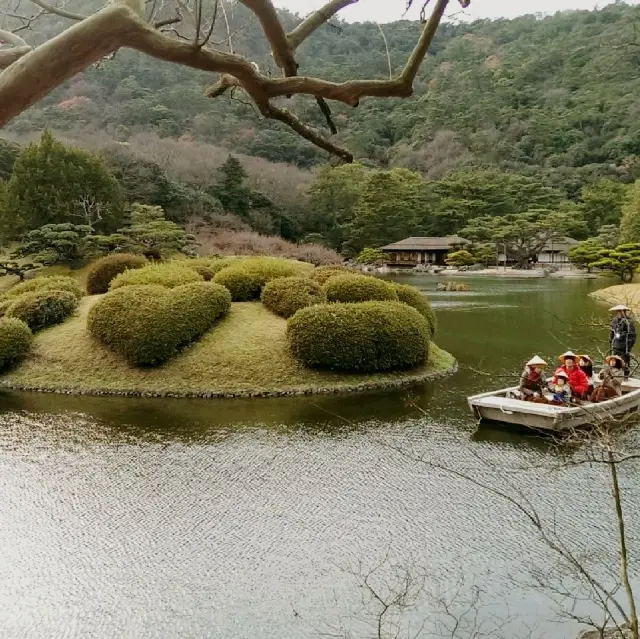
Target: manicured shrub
pixel 362 337
pixel 4 305
pixel 41 309
pixel 149 324
pixel 246 278
pixel 413 297
pixel 324 273
pixel 205 272
pixel 358 288
pixel 286 295
pixel 15 341
pixel 53 283
pixel 169 275
pixel 108 267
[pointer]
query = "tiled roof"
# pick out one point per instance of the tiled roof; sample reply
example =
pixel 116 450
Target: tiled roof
pixel 426 243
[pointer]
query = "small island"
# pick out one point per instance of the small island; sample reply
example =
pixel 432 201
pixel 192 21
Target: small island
pixel 251 327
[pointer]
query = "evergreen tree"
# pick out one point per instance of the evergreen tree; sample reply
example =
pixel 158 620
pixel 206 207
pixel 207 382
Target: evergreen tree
pixel 630 222
pixel 49 184
pixel 234 196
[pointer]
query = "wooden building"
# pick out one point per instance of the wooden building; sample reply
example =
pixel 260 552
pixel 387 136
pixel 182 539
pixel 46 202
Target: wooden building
pixel 421 250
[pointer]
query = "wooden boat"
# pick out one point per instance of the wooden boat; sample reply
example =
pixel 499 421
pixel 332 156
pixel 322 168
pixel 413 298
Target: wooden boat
pixel 498 406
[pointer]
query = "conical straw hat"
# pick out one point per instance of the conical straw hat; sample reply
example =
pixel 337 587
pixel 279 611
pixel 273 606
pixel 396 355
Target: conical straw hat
pixel 619 307
pixel 569 354
pixel 536 360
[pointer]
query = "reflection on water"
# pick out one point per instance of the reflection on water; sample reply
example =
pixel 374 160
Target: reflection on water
pixel 192 518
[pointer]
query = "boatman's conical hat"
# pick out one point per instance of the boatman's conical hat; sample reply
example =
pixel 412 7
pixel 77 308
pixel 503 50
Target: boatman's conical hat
pixel 536 360
pixel 616 357
pixel 619 307
pixel 567 355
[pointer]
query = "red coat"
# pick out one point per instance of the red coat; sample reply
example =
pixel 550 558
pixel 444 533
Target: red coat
pixel 578 381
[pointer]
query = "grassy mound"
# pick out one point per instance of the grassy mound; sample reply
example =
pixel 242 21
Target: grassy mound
pixel 55 283
pixel 324 273
pixel 245 355
pixel 413 297
pixel 15 341
pixel 358 288
pixel 107 268
pixel 246 277
pixel 43 308
pixel 169 275
pixel 367 336
pixel 149 324
pixel 286 295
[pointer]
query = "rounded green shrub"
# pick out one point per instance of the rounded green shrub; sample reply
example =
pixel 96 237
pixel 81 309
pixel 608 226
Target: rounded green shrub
pixel 413 297
pixel 4 306
pixel 324 273
pixel 53 283
pixel 358 288
pixel 169 275
pixel 15 341
pixel 362 337
pixel 246 278
pixel 286 295
pixel 108 267
pixel 205 272
pixel 149 324
pixel 41 309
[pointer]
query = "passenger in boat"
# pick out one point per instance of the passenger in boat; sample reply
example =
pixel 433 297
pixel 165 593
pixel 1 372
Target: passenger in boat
pixel 623 335
pixel 577 379
pixel 585 364
pixel 561 390
pixel 532 381
pixel 612 376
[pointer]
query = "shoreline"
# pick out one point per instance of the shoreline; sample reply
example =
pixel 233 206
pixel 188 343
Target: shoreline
pixel 245 355
pixel 408 379
pixel 499 274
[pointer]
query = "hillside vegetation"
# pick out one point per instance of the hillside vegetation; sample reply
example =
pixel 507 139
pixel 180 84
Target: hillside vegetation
pixel 555 95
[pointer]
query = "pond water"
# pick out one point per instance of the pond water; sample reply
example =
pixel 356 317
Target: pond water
pixel 251 519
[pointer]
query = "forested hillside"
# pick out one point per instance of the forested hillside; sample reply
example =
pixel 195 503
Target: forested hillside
pixel 556 96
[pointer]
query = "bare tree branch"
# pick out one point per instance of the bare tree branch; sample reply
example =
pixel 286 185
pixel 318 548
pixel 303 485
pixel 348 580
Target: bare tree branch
pixel 57 11
pixel 11 38
pixel 30 74
pixel 316 20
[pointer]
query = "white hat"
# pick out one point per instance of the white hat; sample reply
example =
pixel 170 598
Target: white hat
pixel 619 307
pixel 536 360
pixel 569 354
pixel 561 374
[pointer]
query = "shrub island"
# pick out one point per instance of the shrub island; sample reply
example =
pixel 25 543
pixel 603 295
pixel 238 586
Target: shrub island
pixel 216 327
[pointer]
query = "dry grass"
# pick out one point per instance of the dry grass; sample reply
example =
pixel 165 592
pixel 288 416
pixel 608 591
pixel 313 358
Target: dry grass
pixel 227 242
pixel 628 294
pixel 246 353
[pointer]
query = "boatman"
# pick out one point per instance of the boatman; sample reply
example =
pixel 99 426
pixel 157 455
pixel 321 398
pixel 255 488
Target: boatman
pixel 623 335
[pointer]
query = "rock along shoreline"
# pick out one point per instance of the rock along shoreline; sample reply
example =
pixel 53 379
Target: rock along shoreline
pixel 388 384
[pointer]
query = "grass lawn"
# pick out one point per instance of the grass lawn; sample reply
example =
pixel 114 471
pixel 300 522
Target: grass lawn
pixel 244 354
pixel 628 294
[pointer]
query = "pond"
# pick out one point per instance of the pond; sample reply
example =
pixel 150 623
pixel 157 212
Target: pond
pixel 258 519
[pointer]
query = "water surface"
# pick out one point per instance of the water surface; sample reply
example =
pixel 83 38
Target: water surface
pixel 236 518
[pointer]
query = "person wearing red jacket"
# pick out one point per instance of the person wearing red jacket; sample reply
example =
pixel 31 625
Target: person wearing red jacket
pixel 578 381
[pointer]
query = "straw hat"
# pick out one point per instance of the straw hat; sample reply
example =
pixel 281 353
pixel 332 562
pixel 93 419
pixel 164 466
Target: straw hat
pixel 586 358
pixel 610 357
pixel 619 307
pixel 562 374
pixel 536 360
pixel 568 355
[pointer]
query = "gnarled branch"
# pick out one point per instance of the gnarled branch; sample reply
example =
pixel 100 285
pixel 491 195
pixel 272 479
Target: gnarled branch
pixel 30 74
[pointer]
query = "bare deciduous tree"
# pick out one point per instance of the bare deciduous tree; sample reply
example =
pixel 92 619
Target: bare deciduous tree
pixel 180 31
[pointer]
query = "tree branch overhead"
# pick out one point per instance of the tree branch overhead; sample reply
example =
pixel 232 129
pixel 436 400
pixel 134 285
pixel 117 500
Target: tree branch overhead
pixel 31 73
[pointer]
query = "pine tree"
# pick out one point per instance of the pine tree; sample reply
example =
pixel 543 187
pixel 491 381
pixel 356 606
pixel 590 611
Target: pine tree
pixel 231 190
pixel 52 183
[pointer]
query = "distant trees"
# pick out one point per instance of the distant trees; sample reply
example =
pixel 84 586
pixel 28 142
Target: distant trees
pixel 51 184
pixel 523 235
pixel 630 222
